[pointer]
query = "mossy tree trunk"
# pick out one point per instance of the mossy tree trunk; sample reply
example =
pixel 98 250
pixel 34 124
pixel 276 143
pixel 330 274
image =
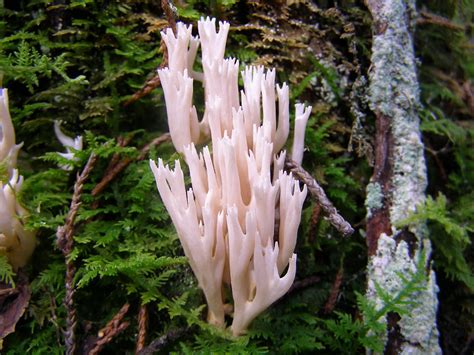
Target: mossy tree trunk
pixel 398 182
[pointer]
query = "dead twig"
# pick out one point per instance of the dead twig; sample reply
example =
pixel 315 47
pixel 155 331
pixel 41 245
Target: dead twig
pixel 122 142
pixel 430 18
pixel 300 285
pixel 335 289
pixel 170 14
pixel 159 343
pixel 317 192
pixel 315 214
pixel 65 242
pixel 304 283
pixel 121 165
pixel 115 326
pixel 142 328
pixel 154 82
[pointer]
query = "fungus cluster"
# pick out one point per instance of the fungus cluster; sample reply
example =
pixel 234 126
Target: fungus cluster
pixel 16 243
pixel 238 221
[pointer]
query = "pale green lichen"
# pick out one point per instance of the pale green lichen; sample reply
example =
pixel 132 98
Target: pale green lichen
pixel 394 92
pixel 418 325
pixel 374 198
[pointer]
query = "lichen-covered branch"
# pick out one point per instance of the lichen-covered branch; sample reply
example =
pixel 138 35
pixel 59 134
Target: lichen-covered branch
pixel 399 181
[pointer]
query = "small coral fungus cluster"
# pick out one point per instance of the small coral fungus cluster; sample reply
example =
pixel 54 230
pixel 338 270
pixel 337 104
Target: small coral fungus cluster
pixel 16 243
pixel 238 222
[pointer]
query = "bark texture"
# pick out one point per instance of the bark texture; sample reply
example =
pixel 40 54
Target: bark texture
pixel 399 180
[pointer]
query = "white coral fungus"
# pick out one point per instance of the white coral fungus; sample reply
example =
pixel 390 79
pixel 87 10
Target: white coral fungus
pixel 226 220
pixel 71 144
pixel 16 243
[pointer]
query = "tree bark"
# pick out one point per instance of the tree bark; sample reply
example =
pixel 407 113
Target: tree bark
pixel 399 181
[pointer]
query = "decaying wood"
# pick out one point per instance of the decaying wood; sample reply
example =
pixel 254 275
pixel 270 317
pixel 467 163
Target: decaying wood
pixel 398 183
pixel 379 220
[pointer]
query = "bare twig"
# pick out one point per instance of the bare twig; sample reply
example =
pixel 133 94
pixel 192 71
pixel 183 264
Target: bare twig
pixel 335 289
pixel 142 328
pixel 159 343
pixel 154 82
pixel 54 317
pixel 170 14
pixel 122 142
pixel 315 214
pixel 65 242
pixel 430 18
pixel 8 292
pixel 319 195
pixel 115 326
pixel 300 285
pixel 304 283
pixel 121 165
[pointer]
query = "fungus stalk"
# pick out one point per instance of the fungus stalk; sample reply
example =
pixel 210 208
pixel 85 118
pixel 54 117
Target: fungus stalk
pixel 226 219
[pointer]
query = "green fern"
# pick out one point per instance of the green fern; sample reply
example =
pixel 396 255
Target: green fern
pixel 7 274
pixel 450 237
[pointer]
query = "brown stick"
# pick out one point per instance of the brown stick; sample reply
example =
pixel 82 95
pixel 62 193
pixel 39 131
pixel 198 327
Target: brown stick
pixel 429 18
pixel 122 142
pixel 335 289
pixel 315 214
pixel 65 242
pixel 115 326
pixel 154 82
pixel 142 328
pixel 159 343
pixel 121 165
pixel 318 194
pixel 170 14
pixel 304 283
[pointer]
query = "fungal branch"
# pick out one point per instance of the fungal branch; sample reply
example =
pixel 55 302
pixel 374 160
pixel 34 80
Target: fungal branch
pixel 226 220
pixel 16 243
